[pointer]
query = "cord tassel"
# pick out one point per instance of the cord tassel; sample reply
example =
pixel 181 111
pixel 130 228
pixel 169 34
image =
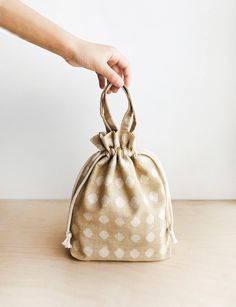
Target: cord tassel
pixel 66 242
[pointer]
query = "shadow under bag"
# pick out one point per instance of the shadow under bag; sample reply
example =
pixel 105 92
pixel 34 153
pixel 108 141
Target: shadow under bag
pixel 120 207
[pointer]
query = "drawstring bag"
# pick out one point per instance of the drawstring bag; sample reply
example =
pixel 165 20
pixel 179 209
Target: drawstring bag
pixel 120 207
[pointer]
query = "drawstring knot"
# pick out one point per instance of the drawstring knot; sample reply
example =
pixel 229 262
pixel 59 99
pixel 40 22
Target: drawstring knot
pixel 66 242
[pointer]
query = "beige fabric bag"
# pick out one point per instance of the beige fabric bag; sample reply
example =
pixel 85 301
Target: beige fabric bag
pixel 120 206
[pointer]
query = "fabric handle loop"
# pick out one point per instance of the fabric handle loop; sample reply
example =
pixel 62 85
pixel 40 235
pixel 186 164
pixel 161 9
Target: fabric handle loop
pixel 128 122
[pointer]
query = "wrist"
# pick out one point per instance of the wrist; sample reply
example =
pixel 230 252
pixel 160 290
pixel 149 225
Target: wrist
pixel 71 46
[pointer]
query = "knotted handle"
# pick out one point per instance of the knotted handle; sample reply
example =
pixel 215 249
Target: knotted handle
pixel 128 122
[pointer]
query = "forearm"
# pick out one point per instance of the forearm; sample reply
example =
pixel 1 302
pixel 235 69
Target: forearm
pixel 26 23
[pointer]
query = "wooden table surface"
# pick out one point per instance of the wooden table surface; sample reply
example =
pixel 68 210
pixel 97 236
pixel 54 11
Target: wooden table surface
pixel 36 270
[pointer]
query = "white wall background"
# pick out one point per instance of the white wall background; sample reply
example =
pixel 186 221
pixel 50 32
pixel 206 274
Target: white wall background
pixel 184 75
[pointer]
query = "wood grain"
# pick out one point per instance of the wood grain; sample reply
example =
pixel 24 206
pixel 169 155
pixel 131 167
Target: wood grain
pixel 36 270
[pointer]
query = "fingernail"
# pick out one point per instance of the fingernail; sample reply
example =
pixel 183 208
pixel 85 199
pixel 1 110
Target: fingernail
pixel 120 83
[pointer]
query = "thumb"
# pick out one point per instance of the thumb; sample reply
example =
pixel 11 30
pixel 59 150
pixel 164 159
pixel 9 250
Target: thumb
pixel 112 76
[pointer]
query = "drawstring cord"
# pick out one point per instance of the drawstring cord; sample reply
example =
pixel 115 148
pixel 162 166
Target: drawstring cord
pixel 97 157
pixel 168 196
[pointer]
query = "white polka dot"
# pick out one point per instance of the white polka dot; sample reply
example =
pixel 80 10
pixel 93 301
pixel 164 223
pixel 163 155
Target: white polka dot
pixel 143 159
pixel 103 219
pixel 161 214
pixel 149 252
pixel 135 202
pixel 99 181
pixel 130 181
pixel 135 238
pixel 119 202
pixel 104 252
pixel 108 180
pixel 88 232
pixel 153 196
pixel 119 183
pixel 150 236
pixel 105 200
pixel 144 179
pixel 104 234
pixel 154 172
pixel 162 250
pixel 119 236
pixel 135 221
pixel 162 232
pixel 92 198
pixel 88 216
pixel 145 200
pixel 88 251
pixel 150 219
pixel 134 253
pixel 125 164
pixel 119 221
pixel 119 253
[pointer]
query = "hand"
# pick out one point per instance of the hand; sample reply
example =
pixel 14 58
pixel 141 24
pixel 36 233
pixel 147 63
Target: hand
pixel 106 61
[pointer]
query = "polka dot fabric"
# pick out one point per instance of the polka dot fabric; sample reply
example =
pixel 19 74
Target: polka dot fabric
pixel 120 205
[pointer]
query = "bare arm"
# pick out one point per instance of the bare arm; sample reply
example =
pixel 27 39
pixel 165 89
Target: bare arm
pixel 26 23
